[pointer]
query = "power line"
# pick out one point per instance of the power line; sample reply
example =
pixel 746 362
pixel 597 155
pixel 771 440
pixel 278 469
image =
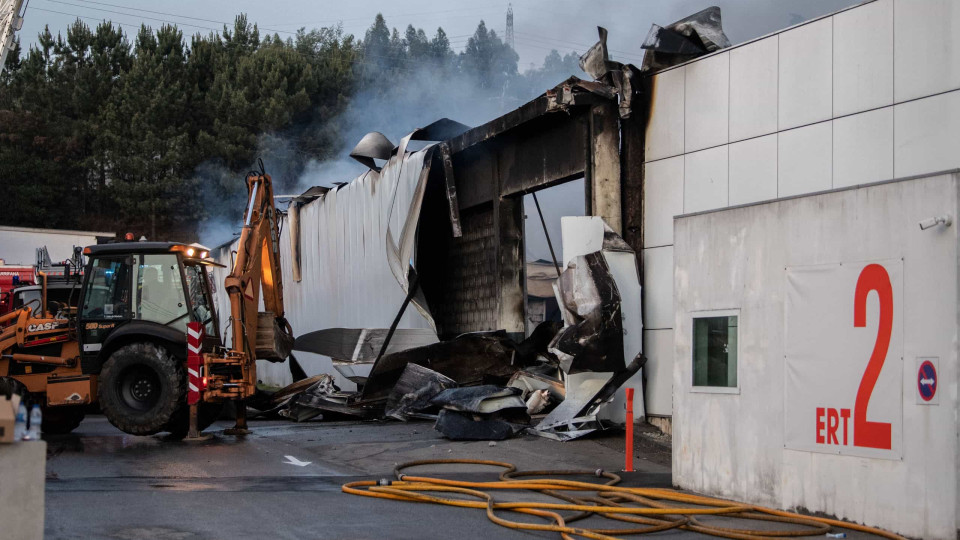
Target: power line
pixel 83 17
pixel 134 15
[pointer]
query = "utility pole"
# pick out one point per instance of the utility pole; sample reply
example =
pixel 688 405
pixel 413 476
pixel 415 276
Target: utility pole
pixel 11 20
pixel 509 35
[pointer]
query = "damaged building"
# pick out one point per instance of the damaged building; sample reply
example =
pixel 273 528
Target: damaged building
pixel 734 195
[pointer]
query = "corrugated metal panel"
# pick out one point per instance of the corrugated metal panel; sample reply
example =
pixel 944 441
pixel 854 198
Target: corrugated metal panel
pixel 346 281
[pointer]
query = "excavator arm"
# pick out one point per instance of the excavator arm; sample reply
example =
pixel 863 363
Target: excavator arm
pixel 255 275
pixel 256 271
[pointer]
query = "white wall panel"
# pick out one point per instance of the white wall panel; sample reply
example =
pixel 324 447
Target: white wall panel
pixel 863 58
pixel 343 265
pixel 658 288
pixel 805 84
pixel 804 162
pixel 705 180
pixel 707 100
pixel 733 445
pixel 753 89
pixel 753 170
pixel 664 136
pixel 926 47
pixel 927 135
pixel 658 348
pixel 663 191
pixel 863 148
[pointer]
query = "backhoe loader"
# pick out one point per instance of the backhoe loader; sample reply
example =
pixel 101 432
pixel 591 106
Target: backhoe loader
pixel 124 344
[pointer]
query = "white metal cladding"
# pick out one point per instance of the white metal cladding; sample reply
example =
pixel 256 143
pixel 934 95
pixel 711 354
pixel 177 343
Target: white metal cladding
pixel 867 94
pixel 927 134
pixel 733 445
pixel 806 76
pixel 346 281
pixel 707 103
pixel 753 170
pixel 753 89
pixel 863 58
pixel 663 183
pixel 863 148
pixel 705 180
pixel 926 47
pixel 805 159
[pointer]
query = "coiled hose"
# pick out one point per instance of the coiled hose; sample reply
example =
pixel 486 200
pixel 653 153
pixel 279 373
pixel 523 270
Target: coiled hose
pixel 655 509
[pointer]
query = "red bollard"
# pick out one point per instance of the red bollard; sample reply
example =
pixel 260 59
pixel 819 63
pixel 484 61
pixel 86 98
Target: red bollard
pixel 629 442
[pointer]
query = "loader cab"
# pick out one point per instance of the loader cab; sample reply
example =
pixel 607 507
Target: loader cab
pixel 137 290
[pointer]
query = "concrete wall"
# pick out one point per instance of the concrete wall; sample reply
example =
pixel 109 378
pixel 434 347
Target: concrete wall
pixel 23 472
pixel 867 94
pixel 735 445
pixel 18 245
pixel 346 281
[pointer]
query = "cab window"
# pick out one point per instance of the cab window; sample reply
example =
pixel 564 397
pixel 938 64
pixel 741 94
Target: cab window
pixel 197 291
pixel 160 291
pixel 108 289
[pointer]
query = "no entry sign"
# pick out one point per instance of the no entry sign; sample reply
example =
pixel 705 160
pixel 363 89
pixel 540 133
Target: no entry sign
pixel 927 381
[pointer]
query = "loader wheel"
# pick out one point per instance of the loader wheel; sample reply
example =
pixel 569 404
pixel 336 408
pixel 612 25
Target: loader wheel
pixel 61 420
pixel 207 414
pixel 141 387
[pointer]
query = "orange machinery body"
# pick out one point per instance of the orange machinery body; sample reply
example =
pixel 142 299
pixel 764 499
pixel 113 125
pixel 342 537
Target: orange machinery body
pixel 56 376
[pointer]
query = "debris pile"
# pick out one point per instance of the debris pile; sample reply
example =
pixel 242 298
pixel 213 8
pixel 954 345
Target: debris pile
pixel 485 385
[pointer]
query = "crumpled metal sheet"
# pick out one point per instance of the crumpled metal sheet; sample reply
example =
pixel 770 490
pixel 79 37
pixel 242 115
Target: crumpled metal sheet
pixel 373 145
pixel 484 399
pixel 361 345
pixel 323 397
pixel 593 337
pixel 688 38
pixel 594 61
pixel 413 392
pixel 469 359
pixel 592 346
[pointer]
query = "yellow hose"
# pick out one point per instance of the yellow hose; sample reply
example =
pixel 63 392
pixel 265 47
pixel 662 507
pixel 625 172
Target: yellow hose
pixel 656 510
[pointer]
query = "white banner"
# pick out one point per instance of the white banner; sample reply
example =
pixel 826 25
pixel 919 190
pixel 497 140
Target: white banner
pixel 844 359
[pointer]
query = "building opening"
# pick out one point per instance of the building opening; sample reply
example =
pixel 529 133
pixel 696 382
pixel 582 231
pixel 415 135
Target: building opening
pixel 565 199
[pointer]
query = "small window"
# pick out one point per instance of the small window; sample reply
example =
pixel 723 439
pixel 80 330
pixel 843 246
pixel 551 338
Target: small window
pixel 715 351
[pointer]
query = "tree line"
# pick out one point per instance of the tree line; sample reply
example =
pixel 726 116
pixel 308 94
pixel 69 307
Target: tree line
pixel 153 133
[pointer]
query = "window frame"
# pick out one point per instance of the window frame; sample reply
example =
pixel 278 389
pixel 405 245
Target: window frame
pixel 707 314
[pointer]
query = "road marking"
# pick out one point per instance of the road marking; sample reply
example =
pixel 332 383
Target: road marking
pixel 294 461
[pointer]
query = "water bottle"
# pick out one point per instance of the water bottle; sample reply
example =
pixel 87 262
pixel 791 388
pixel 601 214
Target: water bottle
pixel 20 426
pixel 836 535
pixel 36 418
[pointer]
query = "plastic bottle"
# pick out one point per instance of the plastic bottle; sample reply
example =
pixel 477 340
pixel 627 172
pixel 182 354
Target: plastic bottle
pixel 836 535
pixel 36 418
pixel 20 425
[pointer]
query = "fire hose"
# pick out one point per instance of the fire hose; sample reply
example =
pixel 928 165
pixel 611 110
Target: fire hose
pixel 656 509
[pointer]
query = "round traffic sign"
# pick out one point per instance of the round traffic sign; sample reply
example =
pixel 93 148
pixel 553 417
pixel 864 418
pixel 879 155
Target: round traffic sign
pixel 927 381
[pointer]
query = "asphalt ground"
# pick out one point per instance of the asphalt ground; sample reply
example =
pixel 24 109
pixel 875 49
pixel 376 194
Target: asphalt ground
pixel 102 483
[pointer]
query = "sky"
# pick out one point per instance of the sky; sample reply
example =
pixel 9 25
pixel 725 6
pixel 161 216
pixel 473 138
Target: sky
pixel 539 26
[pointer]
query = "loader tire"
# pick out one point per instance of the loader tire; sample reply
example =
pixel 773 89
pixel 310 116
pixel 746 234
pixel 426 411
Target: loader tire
pixel 207 414
pixel 141 387
pixel 62 420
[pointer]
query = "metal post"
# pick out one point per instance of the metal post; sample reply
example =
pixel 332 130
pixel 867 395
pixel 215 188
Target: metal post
pixel 628 467
pixel 241 426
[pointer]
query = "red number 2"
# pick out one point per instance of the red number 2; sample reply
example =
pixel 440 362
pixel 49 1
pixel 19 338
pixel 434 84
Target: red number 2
pixel 873 278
